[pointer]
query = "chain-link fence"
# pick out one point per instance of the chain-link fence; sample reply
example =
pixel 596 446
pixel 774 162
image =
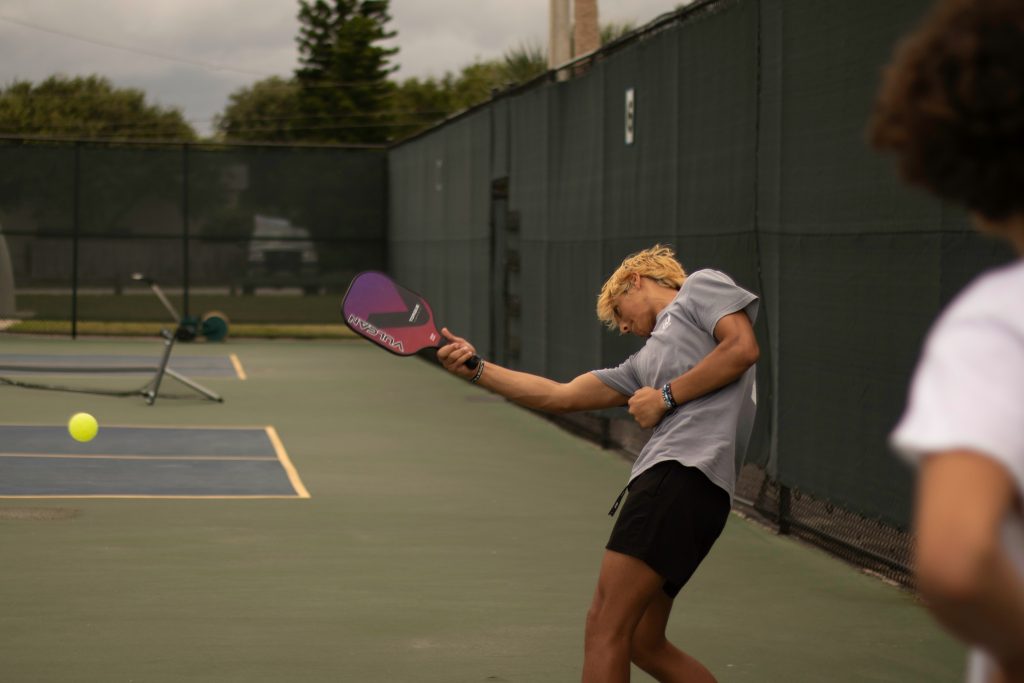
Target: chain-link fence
pixel 258 234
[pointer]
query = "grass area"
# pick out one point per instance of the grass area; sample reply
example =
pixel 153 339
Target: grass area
pixel 140 314
pixel 149 329
pixel 143 307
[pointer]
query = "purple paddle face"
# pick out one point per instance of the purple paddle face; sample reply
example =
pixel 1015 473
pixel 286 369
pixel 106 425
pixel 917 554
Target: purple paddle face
pixel 389 315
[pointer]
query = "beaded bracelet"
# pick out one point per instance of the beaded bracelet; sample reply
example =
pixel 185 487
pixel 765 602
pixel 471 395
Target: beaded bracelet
pixel 479 371
pixel 666 395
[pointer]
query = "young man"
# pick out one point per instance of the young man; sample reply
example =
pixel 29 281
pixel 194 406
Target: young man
pixel 693 381
pixel 952 108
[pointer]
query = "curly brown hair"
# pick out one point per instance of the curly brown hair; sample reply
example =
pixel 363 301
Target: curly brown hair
pixel 951 105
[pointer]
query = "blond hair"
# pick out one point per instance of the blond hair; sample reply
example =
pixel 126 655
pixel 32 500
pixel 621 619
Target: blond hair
pixel 657 263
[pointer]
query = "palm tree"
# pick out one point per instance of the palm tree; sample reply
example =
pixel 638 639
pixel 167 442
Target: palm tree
pixel 524 62
pixel 614 31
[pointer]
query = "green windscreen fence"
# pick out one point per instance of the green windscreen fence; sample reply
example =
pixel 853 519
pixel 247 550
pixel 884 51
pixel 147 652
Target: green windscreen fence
pixel 261 235
pixel 735 132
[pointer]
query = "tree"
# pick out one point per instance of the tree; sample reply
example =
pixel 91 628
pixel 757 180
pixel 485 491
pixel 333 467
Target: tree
pixel 268 111
pixel 423 103
pixel 344 72
pixel 89 107
pixel 613 31
pixel 426 102
pixel 327 101
pixel 523 63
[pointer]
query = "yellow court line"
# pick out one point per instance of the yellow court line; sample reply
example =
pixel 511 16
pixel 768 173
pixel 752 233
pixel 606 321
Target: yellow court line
pixel 238 367
pixel 286 463
pixel 103 456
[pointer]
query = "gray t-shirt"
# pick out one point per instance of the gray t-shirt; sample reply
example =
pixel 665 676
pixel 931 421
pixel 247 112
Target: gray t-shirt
pixel 711 432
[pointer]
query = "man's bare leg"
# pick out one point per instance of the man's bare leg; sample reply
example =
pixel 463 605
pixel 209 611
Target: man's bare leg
pixel 625 588
pixel 653 653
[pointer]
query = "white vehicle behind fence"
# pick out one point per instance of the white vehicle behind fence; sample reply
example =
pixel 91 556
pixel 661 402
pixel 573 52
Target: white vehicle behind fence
pixel 281 255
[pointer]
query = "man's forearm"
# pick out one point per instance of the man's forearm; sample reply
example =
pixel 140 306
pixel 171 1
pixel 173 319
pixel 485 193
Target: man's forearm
pixel 964 501
pixel 721 367
pixel 531 391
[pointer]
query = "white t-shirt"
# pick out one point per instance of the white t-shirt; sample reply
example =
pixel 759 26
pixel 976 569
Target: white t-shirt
pixel 968 394
pixel 711 432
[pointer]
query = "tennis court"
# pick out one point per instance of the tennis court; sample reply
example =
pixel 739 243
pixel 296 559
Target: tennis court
pixel 448 536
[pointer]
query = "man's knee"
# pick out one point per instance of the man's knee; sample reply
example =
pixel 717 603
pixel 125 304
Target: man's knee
pixel 597 625
pixel 647 651
pixel 602 626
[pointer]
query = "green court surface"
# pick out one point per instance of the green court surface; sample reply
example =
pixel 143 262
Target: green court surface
pixel 448 536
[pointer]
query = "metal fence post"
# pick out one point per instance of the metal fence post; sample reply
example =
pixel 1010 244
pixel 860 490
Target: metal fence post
pixel 75 229
pixel 785 504
pixel 184 227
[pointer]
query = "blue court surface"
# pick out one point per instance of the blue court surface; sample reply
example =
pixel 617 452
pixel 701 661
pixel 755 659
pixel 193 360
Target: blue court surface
pixel 194 366
pixel 146 462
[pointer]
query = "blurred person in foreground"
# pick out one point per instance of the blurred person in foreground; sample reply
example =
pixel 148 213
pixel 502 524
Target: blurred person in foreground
pixel 951 108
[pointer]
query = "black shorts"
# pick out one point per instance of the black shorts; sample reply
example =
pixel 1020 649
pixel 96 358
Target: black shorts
pixel 670 520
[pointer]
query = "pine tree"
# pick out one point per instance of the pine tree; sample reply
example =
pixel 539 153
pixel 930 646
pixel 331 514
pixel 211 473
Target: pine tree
pixel 344 71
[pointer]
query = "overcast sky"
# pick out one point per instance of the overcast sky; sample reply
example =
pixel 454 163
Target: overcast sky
pixel 191 54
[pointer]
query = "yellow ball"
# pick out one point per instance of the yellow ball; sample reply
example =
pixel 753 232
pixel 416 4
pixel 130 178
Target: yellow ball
pixel 83 427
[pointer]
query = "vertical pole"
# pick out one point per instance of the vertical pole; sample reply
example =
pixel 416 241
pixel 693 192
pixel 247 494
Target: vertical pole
pixel 184 227
pixel 493 251
pixel 558 33
pixel 586 32
pixel 384 238
pixel 75 229
pixel 785 504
